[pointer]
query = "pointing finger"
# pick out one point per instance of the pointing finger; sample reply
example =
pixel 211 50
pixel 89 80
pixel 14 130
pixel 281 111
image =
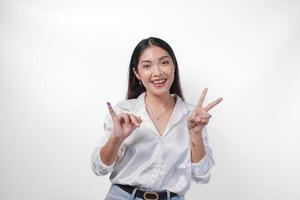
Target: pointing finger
pixel 111 110
pixel 202 97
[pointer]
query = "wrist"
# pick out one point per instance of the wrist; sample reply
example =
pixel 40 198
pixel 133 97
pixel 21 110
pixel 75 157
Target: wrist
pixel 196 137
pixel 195 132
pixel 117 140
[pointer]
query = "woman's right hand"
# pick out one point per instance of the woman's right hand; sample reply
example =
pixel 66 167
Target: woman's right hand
pixel 123 124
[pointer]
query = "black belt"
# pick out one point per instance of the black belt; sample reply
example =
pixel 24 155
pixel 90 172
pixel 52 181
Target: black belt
pixel 146 195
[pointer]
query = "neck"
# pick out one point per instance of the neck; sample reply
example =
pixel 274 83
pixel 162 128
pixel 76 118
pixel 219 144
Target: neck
pixel 158 101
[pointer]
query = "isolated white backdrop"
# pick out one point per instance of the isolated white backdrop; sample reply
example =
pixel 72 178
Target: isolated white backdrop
pixel 61 61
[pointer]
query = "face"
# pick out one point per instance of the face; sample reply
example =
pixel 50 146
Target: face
pixel 156 70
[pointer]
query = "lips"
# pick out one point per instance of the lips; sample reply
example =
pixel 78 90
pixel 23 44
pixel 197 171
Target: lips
pixel 159 82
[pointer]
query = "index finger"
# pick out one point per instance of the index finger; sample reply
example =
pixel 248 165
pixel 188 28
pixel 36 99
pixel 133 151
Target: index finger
pixel 202 97
pixel 111 110
pixel 213 104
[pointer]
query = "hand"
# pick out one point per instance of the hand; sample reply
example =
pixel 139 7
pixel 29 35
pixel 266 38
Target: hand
pixel 200 116
pixel 123 124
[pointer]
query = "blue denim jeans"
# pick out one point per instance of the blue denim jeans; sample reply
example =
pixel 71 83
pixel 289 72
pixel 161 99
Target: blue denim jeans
pixel 116 193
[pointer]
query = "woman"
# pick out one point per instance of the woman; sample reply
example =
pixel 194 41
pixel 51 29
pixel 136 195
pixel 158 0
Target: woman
pixel 154 143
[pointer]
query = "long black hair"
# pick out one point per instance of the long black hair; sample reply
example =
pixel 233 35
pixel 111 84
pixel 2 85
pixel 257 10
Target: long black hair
pixel 134 88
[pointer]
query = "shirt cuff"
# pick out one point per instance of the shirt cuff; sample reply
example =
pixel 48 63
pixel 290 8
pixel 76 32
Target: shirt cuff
pixel 98 167
pixel 200 170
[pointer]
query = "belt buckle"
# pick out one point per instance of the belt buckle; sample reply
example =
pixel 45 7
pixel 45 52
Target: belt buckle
pixel 151 193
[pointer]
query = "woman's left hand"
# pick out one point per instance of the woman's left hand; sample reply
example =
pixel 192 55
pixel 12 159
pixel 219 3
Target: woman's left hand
pixel 200 116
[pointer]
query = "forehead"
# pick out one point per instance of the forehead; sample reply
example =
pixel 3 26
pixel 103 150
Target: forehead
pixel 153 53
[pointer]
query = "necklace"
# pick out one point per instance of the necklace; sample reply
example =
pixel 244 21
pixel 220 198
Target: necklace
pixel 161 114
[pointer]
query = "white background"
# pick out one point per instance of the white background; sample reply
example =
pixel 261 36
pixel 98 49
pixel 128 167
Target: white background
pixel 60 61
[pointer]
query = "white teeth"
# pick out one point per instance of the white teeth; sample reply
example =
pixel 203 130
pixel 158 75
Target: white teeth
pixel 159 81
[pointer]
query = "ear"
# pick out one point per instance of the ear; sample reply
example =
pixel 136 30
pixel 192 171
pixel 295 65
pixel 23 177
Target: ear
pixel 136 73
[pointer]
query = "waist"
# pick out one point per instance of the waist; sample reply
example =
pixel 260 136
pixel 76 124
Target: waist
pixel 147 195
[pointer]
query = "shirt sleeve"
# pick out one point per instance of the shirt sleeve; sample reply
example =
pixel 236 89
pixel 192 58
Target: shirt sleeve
pixel 98 167
pixel 201 170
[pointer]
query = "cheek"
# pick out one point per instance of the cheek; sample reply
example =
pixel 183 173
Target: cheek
pixel 171 72
pixel 172 77
pixel 168 69
pixel 145 75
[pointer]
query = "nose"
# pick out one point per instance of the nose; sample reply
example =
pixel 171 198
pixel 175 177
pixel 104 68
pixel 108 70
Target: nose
pixel 156 70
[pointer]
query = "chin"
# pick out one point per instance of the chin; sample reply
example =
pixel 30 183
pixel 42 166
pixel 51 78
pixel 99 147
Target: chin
pixel 159 92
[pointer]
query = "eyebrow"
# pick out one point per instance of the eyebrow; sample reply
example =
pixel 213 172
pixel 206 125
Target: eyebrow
pixel 158 59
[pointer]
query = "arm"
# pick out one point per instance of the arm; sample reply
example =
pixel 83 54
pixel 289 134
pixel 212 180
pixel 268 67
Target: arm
pixel 109 152
pixel 104 157
pixel 197 147
pixel 201 156
pixel 99 167
pixel 116 129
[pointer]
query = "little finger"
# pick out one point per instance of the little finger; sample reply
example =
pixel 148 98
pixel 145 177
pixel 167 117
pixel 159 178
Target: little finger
pixel 134 120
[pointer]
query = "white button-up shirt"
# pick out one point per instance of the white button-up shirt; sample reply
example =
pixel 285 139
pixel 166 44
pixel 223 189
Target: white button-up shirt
pixel 152 161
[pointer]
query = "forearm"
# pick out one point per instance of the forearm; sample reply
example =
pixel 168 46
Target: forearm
pixel 109 152
pixel 197 147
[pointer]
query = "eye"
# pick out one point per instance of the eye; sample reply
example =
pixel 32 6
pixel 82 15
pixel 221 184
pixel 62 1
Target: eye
pixel 146 66
pixel 165 62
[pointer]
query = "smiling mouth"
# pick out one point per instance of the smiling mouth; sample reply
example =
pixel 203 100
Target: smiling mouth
pixel 159 82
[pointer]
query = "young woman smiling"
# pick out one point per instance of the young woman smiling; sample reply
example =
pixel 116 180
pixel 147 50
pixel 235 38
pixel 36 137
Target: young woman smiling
pixel 154 143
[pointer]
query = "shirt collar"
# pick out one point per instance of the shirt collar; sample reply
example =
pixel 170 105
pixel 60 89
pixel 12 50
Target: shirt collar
pixel 181 105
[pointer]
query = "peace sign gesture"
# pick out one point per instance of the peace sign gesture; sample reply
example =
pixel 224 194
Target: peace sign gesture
pixel 123 124
pixel 200 116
